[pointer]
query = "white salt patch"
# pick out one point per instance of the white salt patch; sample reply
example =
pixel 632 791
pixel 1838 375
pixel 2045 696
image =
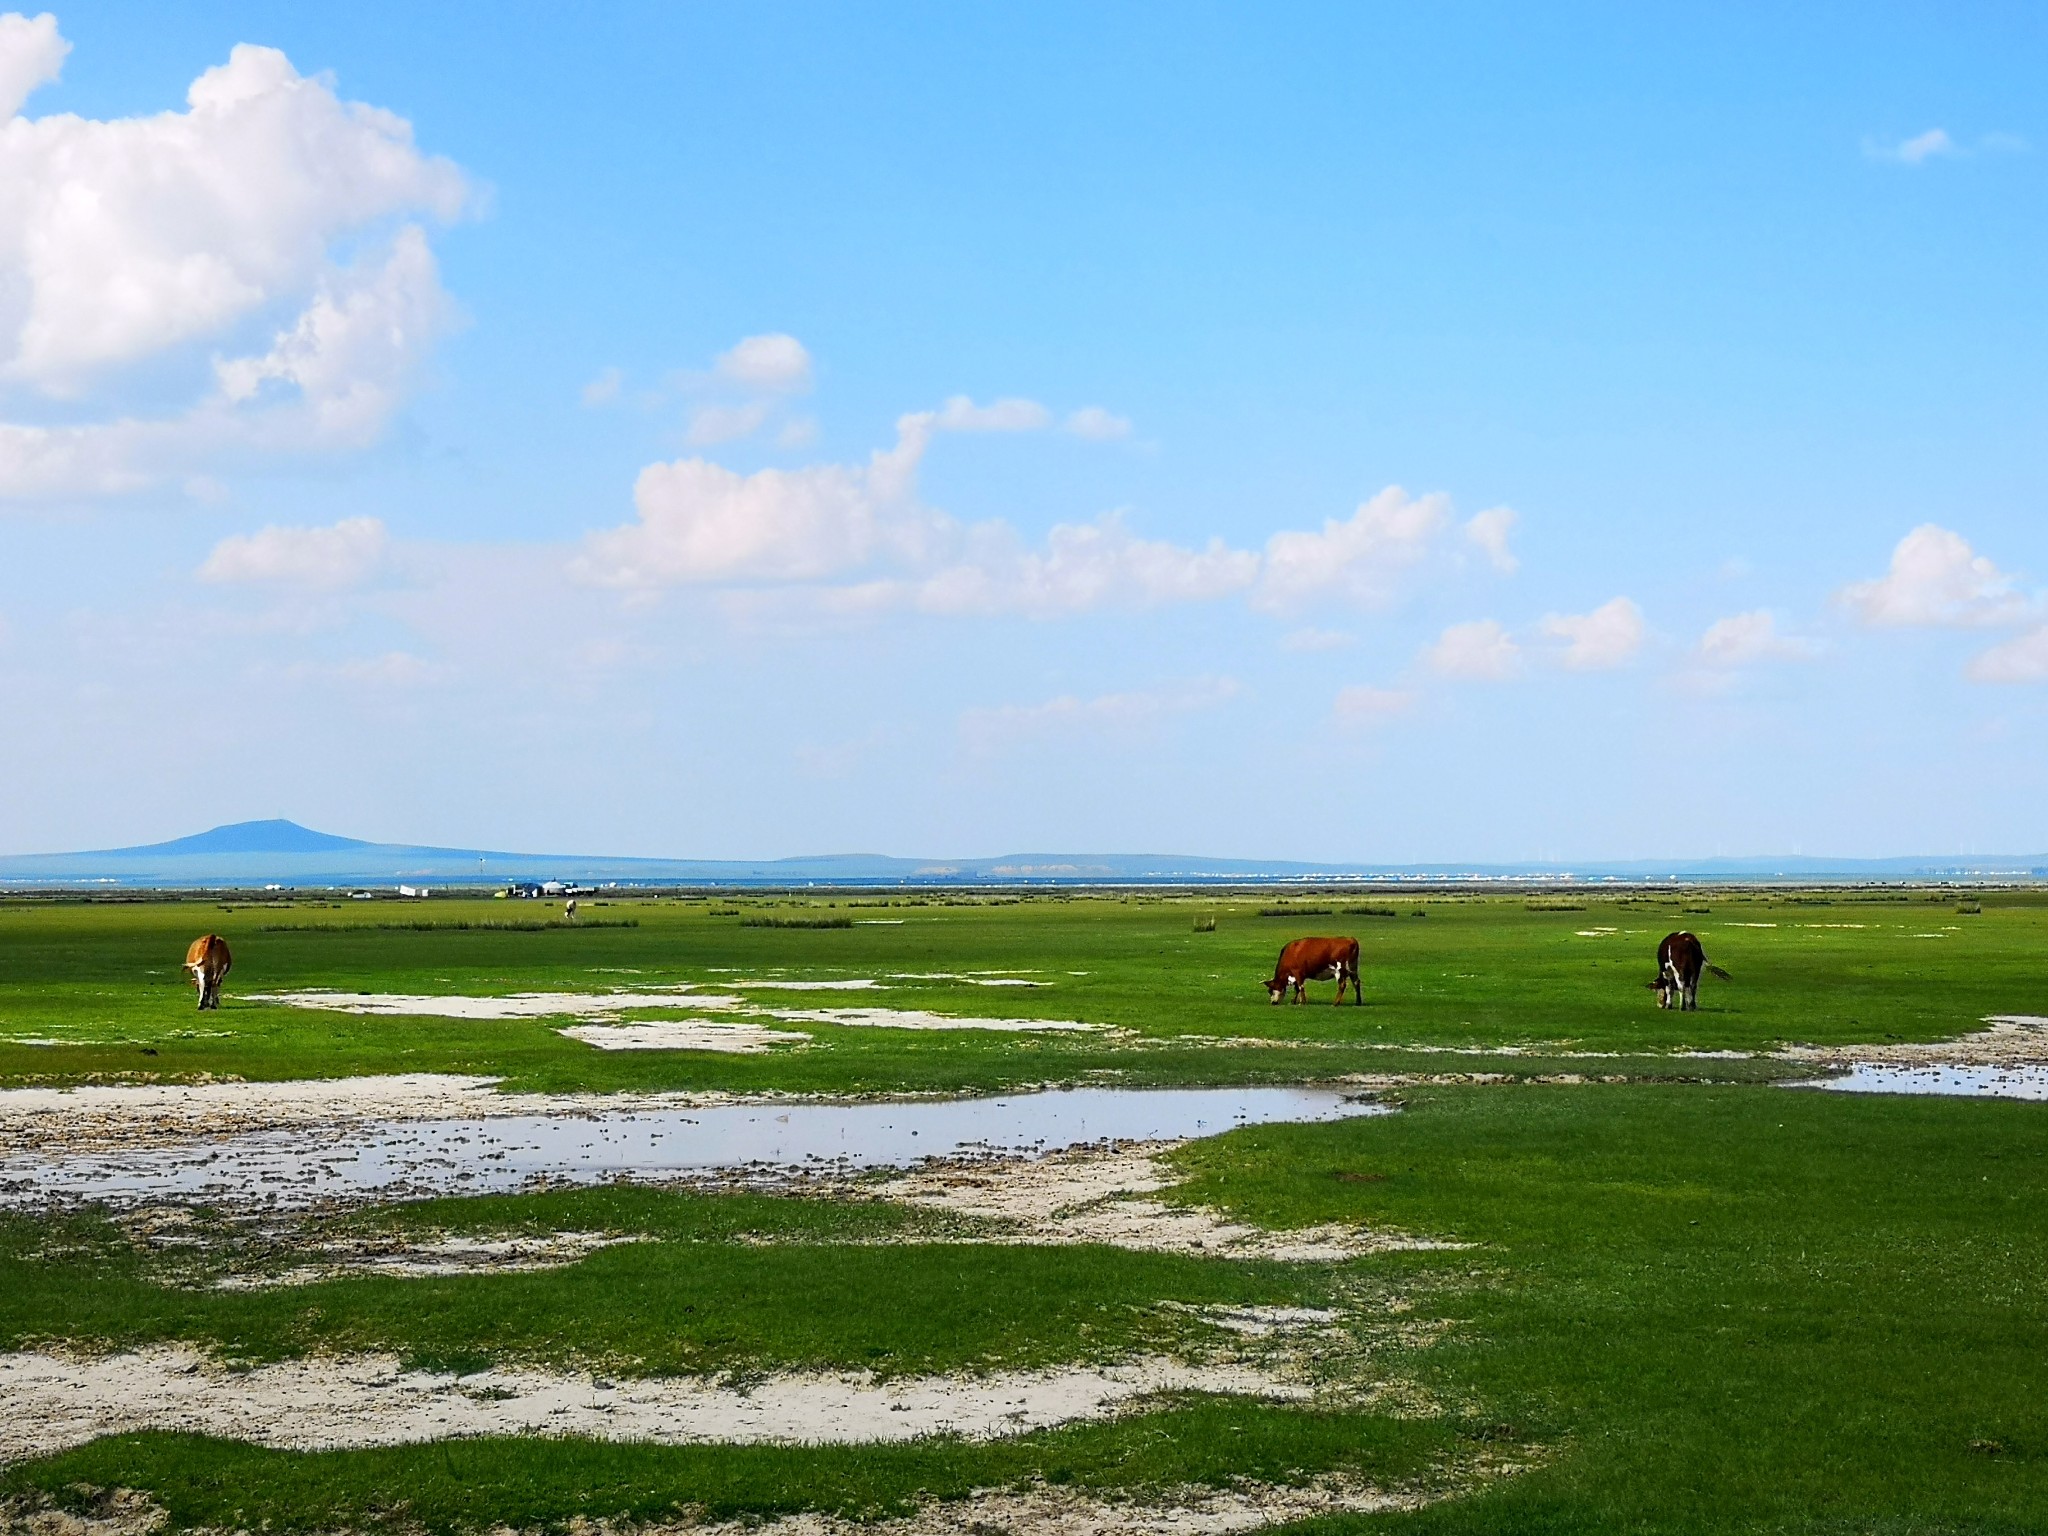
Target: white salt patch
pixel 810 986
pixel 59 1401
pixel 683 1035
pixel 520 1005
pixel 972 980
pixel 917 1018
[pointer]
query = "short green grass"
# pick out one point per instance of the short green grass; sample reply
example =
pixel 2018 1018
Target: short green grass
pixel 1707 1307
pixel 1724 1309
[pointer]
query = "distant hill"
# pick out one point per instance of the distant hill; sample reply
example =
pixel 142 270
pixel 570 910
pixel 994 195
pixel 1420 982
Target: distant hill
pixel 276 836
pixel 249 854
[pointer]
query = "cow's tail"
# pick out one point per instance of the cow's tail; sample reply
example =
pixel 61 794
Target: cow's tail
pixel 1717 970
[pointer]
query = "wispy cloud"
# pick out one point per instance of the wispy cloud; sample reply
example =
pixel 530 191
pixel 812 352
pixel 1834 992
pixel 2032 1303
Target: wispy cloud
pixel 337 556
pixel 1364 705
pixel 986 731
pixel 2022 659
pixel 1939 144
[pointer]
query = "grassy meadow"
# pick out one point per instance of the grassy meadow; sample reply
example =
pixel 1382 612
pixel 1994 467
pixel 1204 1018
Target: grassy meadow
pixel 1688 1300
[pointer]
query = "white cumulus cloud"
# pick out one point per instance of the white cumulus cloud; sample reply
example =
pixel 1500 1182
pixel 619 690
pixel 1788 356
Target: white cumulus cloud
pixel 775 363
pixel 1356 558
pixel 1596 641
pixel 175 240
pixel 336 556
pixel 1479 651
pixel 1935 579
pixel 31 54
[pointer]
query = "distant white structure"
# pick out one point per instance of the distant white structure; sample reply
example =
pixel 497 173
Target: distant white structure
pixel 420 891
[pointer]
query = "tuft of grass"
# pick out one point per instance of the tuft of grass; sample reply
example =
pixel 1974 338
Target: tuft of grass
pixel 1205 925
pixel 796 922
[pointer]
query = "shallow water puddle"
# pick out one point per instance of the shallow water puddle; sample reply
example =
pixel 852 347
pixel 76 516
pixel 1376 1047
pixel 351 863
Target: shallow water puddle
pixel 420 1158
pixel 1969 1082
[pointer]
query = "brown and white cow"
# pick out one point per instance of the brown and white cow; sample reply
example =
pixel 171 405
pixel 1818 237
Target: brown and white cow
pixel 1306 960
pixel 1680 960
pixel 208 960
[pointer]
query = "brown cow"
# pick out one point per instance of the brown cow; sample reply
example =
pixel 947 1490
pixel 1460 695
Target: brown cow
pixel 1306 960
pixel 208 960
pixel 1680 960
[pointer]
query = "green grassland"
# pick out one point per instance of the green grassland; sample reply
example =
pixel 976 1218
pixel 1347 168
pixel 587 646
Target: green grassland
pixel 1692 1305
pixel 104 980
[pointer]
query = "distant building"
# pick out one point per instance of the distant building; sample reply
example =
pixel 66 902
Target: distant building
pixel 419 891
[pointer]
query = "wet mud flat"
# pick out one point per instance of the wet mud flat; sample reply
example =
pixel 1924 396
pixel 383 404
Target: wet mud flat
pixel 410 1159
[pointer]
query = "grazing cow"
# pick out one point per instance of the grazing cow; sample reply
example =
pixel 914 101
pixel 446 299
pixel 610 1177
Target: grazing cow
pixel 569 911
pixel 208 960
pixel 1680 960
pixel 1306 960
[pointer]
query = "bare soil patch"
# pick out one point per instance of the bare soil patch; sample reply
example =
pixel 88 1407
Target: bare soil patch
pixel 1097 1195
pixel 2013 1039
pixel 59 1400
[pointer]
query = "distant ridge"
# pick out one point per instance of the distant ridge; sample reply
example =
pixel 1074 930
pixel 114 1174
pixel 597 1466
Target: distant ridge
pixel 248 854
pixel 274 836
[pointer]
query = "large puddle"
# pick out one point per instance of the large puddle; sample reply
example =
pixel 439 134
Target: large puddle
pixel 420 1158
pixel 1979 1082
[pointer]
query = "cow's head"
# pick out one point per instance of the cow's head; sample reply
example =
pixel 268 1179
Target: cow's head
pixel 1276 990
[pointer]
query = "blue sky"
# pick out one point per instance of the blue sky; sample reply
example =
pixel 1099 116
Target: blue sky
pixel 1335 432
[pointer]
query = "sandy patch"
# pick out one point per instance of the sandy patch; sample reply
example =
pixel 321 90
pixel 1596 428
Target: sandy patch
pixel 684 1035
pixel 2014 1039
pixel 857 985
pixel 1184 1511
pixel 1069 1512
pixel 433 1256
pixel 520 1005
pixel 57 1401
pixel 918 1018
pixel 1092 1195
